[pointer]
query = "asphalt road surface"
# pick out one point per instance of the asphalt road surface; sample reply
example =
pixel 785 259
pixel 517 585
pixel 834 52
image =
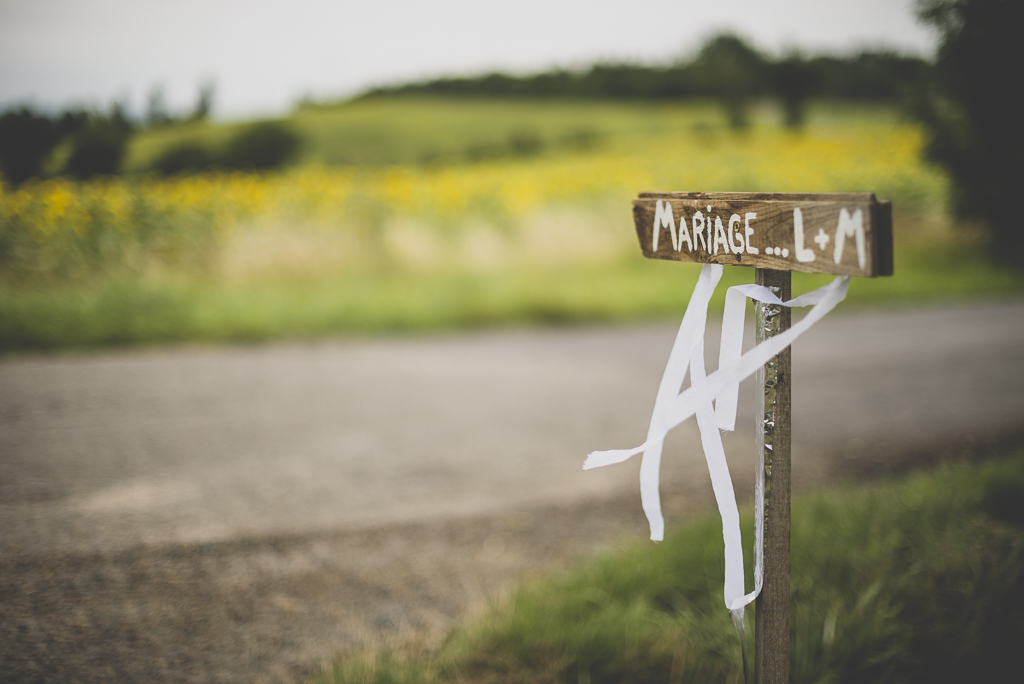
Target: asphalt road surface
pixel 245 513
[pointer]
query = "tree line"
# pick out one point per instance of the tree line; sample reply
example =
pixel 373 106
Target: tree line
pixel 82 143
pixel 967 99
pixel 726 68
pixel 28 139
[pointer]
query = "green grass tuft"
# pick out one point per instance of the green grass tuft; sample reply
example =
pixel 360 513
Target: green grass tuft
pixel 916 581
pixel 176 307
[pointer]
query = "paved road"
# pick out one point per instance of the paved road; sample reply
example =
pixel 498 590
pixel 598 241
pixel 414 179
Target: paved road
pixel 235 513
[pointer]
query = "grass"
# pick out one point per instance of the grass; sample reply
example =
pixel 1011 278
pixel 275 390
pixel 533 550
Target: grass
pixel 431 130
pixel 418 130
pixel 912 581
pixel 175 306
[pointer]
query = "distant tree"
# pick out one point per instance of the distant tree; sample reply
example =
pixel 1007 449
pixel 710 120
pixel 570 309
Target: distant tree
pixel 733 72
pixel 26 140
pixel 156 109
pixel 71 121
pixel 794 82
pixel 99 145
pixel 204 103
pixel 976 113
pixel 874 76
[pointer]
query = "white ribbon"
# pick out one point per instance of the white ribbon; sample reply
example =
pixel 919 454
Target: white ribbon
pixel 672 407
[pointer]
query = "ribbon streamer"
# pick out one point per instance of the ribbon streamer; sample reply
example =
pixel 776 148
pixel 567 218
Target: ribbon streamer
pixel 712 398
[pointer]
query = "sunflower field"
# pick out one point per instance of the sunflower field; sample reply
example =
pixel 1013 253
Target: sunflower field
pixel 251 250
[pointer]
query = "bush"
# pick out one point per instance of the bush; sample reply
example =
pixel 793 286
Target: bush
pixel 99 147
pixel 261 147
pixel 185 158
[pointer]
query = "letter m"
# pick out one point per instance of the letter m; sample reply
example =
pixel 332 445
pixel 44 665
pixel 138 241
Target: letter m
pixel 850 226
pixel 663 219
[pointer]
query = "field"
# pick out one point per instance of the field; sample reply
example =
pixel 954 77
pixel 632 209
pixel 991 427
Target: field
pixel 915 581
pixel 429 130
pixel 411 214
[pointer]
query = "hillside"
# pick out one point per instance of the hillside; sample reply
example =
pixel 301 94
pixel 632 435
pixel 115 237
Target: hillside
pixel 426 130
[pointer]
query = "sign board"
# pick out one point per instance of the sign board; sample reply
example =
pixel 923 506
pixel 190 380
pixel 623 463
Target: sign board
pixel 834 233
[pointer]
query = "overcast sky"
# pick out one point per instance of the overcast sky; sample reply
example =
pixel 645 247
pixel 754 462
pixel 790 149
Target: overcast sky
pixel 264 55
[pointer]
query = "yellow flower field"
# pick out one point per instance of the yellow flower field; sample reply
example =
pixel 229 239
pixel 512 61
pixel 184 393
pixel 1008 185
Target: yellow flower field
pixel 422 216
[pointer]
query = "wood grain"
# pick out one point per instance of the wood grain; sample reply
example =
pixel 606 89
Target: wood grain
pixel 771 608
pixel 746 229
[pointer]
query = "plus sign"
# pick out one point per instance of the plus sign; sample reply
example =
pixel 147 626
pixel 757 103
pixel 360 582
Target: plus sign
pixel 821 239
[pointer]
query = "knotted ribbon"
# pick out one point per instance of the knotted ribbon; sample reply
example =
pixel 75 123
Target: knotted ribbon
pixel 712 398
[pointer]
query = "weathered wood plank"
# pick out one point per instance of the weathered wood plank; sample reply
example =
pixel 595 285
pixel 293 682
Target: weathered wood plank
pixel 766 196
pixel 835 233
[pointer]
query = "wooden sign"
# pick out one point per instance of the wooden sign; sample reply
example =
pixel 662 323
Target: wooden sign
pixel 835 233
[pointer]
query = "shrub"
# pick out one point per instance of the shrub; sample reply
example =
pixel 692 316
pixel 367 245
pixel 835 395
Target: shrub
pixel 184 158
pixel 261 147
pixel 99 146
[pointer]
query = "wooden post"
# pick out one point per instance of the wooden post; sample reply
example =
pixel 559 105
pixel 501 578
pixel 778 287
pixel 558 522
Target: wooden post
pixel 771 610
